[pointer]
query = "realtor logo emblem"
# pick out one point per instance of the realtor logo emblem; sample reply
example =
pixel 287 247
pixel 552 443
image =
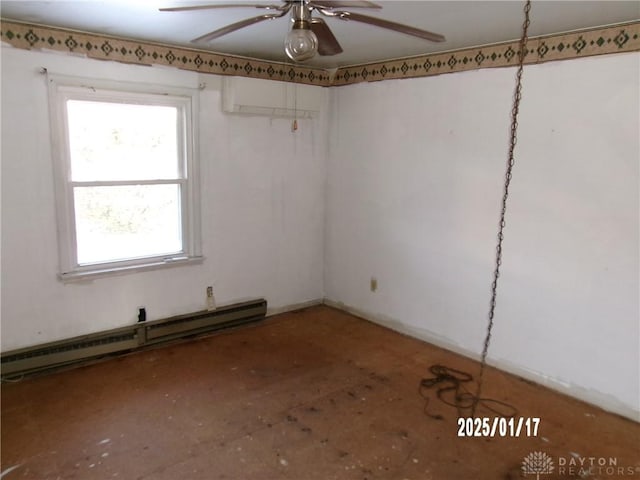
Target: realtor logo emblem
pixel 537 463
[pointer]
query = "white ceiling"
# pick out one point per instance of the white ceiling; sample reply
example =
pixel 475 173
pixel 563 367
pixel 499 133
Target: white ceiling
pixel 464 23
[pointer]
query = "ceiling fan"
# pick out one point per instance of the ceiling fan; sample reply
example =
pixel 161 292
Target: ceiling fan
pixel 308 35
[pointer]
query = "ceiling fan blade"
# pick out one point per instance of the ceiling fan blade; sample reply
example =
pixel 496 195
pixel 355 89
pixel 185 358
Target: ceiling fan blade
pixel 343 4
pixel 379 22
pixel 327 42
pixel 219 5
pixel 237 26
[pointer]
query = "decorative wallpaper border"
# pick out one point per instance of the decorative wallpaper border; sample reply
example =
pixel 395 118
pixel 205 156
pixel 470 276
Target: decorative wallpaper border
pixel 613 39
pixel 103 47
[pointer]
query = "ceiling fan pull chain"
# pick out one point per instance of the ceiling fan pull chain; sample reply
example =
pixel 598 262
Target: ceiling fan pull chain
pixel 507 181
pixel 294 125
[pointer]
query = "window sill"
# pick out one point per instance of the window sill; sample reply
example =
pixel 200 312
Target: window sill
pixel 94 273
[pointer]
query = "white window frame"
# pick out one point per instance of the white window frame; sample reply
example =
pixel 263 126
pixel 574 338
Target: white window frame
pixel 64 88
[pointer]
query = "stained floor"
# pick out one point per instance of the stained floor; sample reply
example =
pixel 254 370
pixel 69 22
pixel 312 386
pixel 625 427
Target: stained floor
pixel 314 394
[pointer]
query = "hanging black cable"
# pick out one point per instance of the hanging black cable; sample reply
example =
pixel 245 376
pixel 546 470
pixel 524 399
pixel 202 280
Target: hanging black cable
pixel 452 391
pixel 450 380
pixel 522 51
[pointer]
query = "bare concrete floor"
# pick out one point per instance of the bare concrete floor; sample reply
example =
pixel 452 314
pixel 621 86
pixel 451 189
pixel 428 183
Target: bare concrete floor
pixel 315 394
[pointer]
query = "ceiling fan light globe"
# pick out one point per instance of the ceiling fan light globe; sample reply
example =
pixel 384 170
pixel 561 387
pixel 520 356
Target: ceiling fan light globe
pixel 300 44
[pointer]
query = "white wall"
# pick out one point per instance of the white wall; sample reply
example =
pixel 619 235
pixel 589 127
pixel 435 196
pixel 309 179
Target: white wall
pixel 262 207
pixel 415 179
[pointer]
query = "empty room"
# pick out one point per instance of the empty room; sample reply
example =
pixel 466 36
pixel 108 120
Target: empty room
pixel 313 239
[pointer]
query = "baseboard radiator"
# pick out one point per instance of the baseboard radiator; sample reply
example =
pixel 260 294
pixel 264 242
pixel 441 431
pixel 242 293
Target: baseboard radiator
pixel 129 338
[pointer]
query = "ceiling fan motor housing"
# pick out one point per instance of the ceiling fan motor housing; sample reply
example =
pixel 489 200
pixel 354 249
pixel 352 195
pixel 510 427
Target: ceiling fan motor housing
pixel 300 11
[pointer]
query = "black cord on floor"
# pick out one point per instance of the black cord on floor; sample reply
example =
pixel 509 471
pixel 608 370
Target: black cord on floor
pixel 451 390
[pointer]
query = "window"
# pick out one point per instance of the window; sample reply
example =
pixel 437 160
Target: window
pixel 126 179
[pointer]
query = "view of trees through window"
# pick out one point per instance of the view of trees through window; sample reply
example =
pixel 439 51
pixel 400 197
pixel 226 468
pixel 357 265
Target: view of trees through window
pixel 126 174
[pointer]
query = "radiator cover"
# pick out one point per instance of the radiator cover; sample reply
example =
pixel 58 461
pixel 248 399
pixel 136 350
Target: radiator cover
pixel 125 339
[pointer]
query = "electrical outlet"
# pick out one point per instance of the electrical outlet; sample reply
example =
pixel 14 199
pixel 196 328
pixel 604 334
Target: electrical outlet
pixel 373 285
pixel 211 301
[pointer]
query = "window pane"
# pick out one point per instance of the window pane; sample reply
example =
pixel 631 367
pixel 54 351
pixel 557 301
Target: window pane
pixel 124 222
pixel 116 141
